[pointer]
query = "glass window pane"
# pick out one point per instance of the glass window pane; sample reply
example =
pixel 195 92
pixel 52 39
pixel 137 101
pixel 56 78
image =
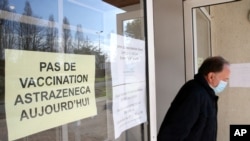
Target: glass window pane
pixel 203 37
pixel 72 58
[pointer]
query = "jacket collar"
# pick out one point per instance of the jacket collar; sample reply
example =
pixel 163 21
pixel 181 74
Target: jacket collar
pixel 201 79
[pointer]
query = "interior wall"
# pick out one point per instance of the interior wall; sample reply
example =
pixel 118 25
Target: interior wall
pixel 169 53
pixel 230 38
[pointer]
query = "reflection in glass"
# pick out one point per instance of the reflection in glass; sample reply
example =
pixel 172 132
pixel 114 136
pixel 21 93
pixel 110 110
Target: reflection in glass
pixel 203 36
pixel 72 27
pixel 133 28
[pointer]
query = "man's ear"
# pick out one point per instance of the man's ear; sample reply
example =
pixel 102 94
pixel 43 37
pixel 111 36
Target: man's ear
pixel 210 77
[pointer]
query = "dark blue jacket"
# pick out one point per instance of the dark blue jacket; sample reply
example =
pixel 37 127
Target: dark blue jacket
pixel 192 115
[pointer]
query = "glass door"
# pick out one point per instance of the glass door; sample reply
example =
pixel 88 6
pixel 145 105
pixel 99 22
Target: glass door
pixel 202 35
pixel 191 25
pixel 229 38
pixel 130 27
pixel 66 74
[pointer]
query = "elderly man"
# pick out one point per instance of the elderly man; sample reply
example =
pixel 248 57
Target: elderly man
pixel 192 115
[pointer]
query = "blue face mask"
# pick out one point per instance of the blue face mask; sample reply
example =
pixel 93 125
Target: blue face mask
pixel 221 86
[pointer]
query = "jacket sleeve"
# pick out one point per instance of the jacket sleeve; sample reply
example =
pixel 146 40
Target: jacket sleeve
pixel 181 117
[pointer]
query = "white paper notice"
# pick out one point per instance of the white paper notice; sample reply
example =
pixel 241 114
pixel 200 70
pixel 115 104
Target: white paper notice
pixel 128 82
pixel 49 90
pixel 129 107
pixel 240 75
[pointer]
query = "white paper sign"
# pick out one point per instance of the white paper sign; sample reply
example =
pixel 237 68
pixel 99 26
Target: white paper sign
pixel 128 82
pixel 44 90
pixel 240 75
pixel 129 107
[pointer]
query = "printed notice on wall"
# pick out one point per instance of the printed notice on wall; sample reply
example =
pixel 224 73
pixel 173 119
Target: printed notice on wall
pixel 240 76
pixel 45 90
pixel 128 82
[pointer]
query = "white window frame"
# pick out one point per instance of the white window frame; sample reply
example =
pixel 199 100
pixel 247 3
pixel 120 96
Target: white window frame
pixel 151 71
